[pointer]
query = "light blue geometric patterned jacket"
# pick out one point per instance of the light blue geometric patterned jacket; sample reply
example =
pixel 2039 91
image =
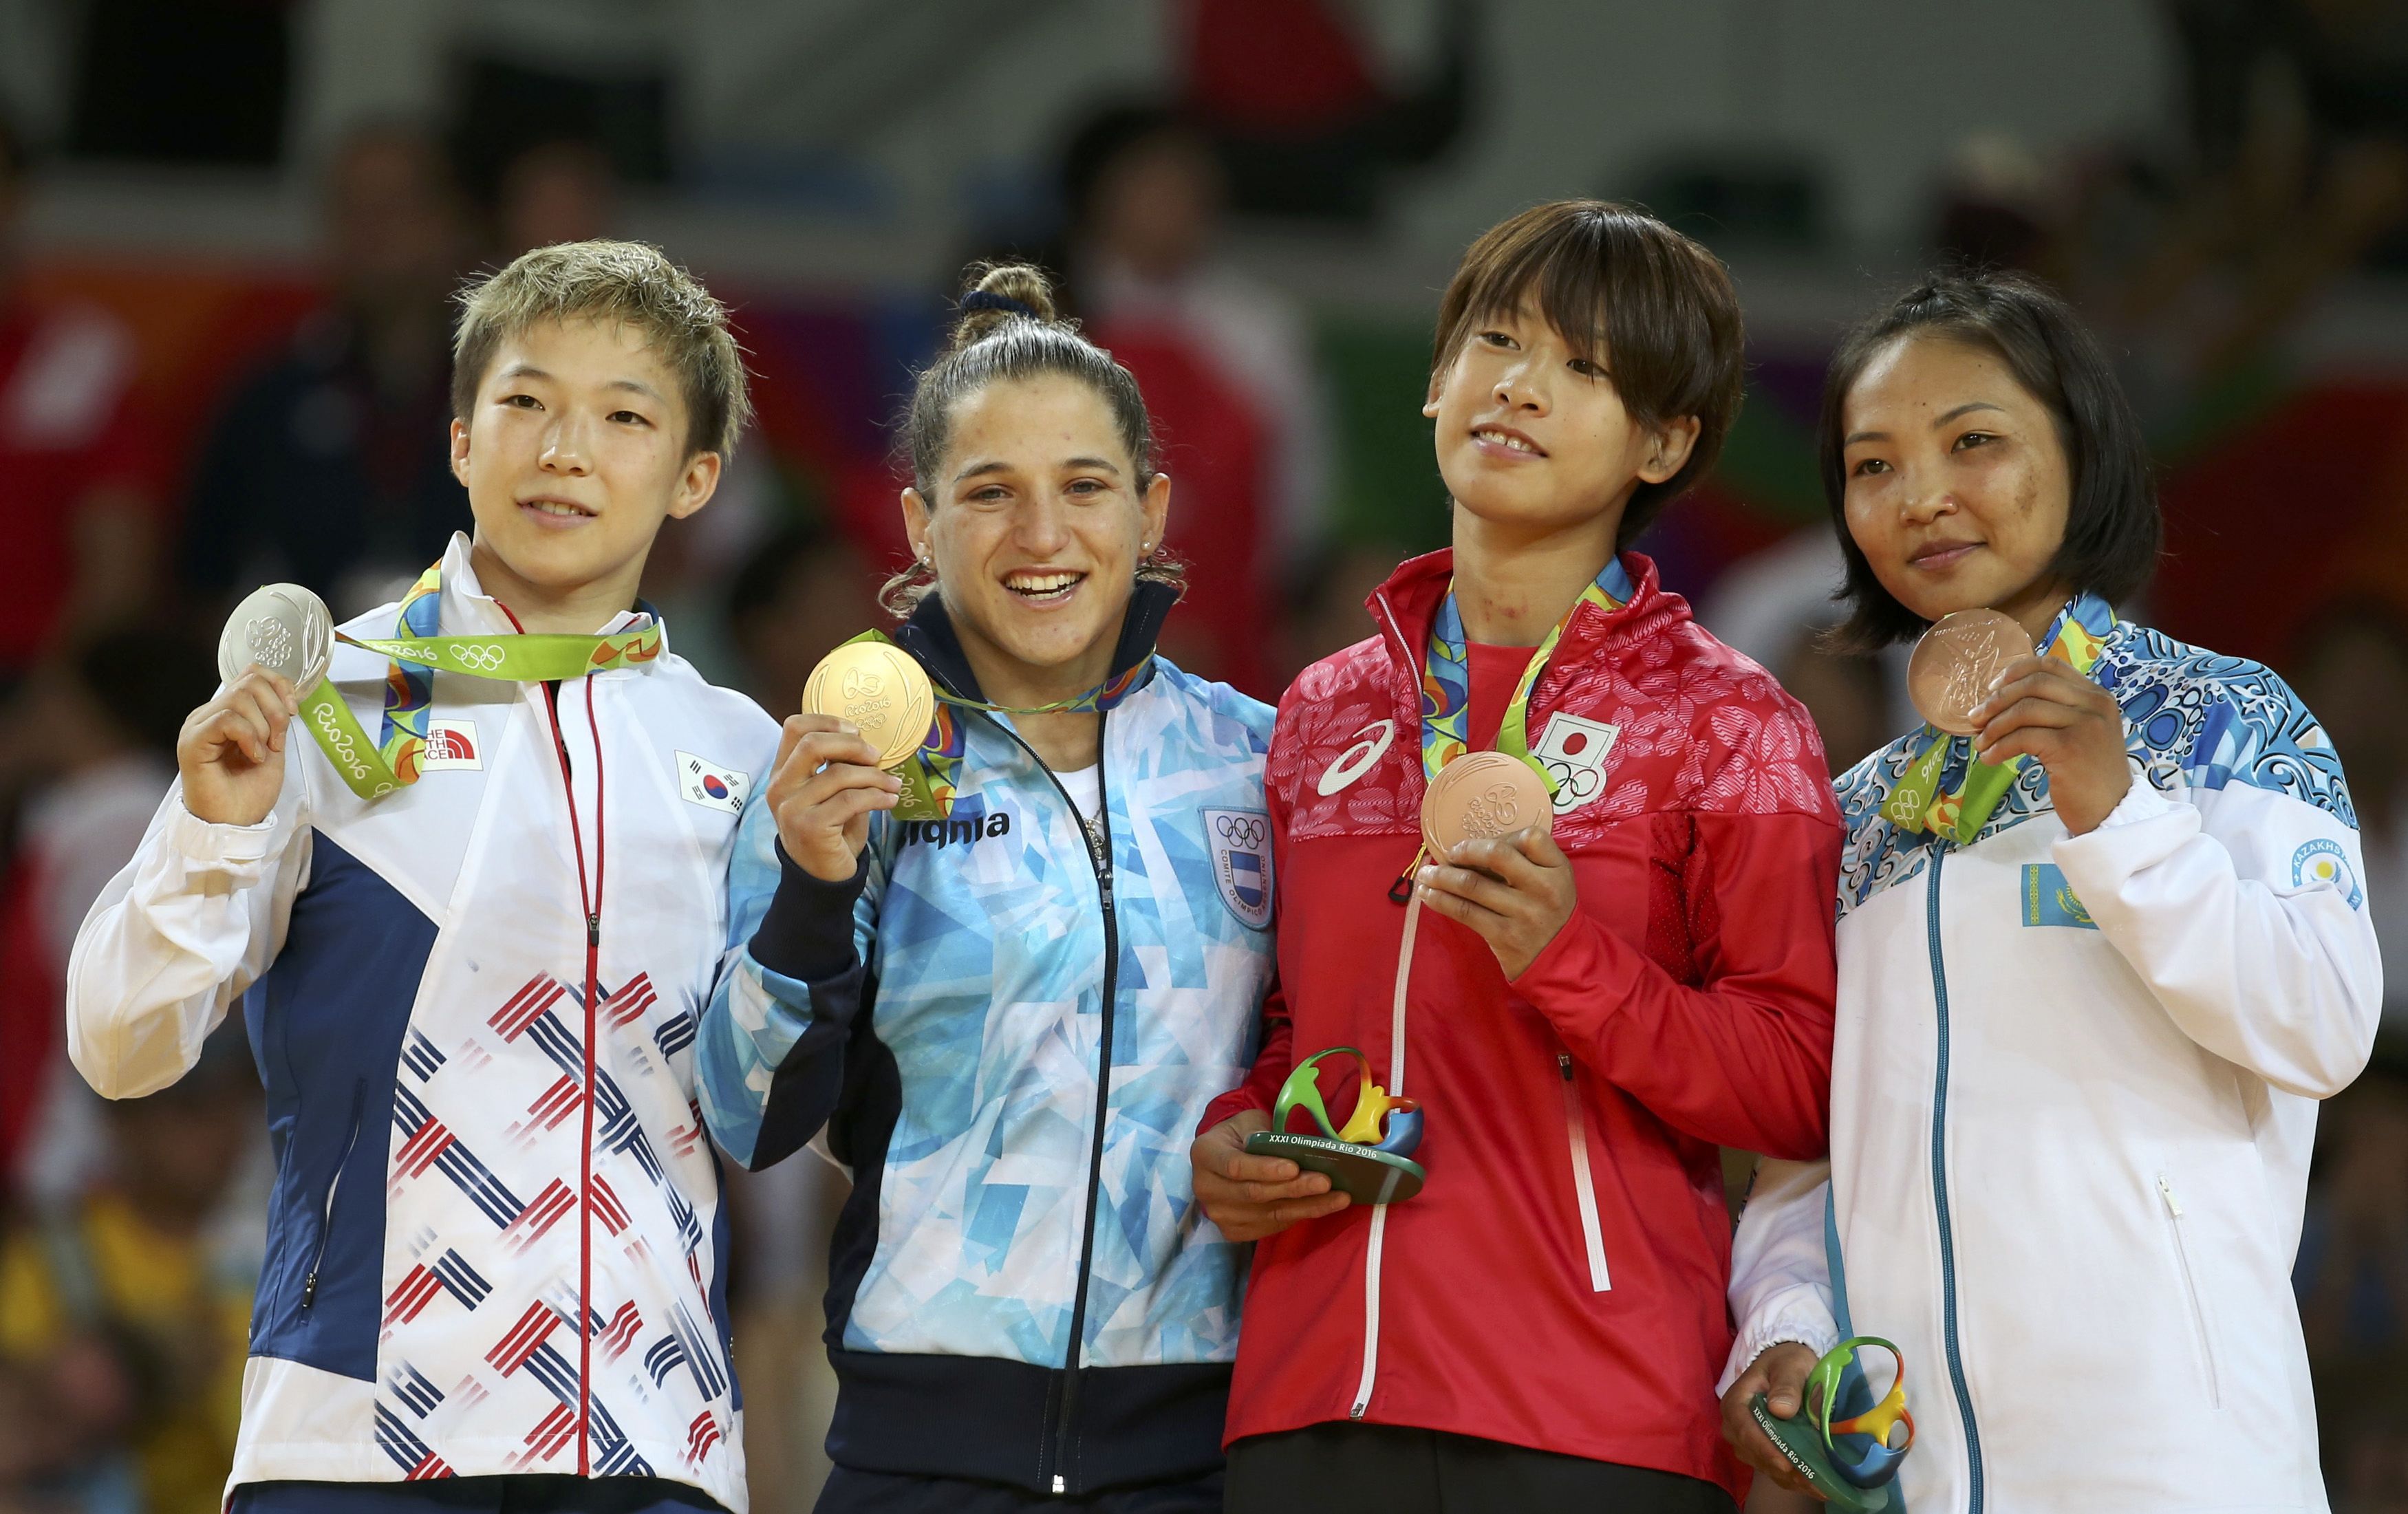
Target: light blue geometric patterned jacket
pixel 1019 1155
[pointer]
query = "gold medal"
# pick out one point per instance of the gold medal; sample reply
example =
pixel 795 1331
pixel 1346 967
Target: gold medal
pixel 1957 664
pixel 877 686
pixel 1482 794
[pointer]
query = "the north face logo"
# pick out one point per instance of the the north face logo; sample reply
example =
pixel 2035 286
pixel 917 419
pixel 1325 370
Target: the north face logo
pixel 450 744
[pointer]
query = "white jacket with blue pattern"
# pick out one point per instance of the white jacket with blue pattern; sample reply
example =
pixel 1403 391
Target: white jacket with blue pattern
pixel 2074 1093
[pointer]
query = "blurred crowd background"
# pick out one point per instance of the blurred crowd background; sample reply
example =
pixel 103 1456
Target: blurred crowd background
pixel 229 230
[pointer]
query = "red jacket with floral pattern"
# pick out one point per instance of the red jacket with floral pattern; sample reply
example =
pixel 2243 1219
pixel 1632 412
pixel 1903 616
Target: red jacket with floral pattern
pixel 1559 1283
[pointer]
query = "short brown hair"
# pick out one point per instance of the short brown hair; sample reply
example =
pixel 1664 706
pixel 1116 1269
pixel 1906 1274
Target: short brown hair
pixel 1614 278
pixel 627 283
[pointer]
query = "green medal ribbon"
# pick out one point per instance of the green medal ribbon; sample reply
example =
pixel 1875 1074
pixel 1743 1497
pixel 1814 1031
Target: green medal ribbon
pixel 1922 802
pixel 372 769
pixel 934 772
pixel 1446 680
pixel 533 657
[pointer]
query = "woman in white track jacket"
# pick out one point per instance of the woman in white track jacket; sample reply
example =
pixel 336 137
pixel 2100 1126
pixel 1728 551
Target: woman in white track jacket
pixel 2088 996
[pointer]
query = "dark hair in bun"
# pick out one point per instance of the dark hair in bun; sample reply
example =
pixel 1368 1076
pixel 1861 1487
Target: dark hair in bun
pixel 1009 328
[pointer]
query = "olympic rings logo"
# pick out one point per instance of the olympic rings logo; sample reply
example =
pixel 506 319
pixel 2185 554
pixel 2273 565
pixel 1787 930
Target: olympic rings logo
pixel 480 656
pixel 338 741
pixel 1239 831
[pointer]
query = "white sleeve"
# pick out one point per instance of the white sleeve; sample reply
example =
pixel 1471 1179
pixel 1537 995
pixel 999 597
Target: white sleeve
pixel 2244 909
pixel 182 930
pixel 1780 1276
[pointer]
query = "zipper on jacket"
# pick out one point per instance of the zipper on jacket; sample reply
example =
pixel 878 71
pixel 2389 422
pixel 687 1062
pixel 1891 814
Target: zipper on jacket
pixel 590 904
pixel 1576 1127
pixel 1054 1458
pixel 1939 1192
pixel 326 1224
pixel 1401 890
pixel 1375 1250
pixel 2190 1290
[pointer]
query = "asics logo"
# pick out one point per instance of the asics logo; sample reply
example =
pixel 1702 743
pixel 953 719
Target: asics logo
pixel 1370 744
pixel 1239 831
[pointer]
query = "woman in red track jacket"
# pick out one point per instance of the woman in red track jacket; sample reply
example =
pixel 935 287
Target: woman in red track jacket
pixel 1584 1019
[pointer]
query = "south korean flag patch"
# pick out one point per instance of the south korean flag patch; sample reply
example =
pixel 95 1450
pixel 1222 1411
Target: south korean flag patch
pixel 712 786
pixel 1241 863
pixel 1574 751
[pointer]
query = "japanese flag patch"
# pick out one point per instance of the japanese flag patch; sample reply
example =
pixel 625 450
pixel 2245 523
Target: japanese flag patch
pixel 712 785
pixel 1574 751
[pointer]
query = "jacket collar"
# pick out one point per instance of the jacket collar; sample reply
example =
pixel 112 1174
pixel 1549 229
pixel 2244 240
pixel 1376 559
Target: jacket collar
pixel 468 610
pixel 929 636
pixel 1406 605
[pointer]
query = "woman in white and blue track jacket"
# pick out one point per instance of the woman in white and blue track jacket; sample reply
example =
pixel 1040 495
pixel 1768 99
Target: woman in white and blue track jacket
pixel 1009 1022
pixel 2088 996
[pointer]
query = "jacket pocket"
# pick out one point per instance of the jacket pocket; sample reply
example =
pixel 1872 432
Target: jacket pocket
pixel 326 1211
pixel 2176 1228
pixel 1584 1182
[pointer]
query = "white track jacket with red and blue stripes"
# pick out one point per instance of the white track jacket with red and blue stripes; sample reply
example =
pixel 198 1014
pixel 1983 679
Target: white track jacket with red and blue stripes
pixel 496 1243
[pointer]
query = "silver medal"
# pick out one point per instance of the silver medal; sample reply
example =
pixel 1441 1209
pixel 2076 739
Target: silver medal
pixel 285 629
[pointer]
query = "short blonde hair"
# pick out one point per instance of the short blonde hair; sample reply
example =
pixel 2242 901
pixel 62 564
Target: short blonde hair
pixel 628 284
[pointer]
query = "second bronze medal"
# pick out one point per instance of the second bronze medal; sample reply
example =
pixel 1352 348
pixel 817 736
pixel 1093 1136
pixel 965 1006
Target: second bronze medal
pixel 1956 665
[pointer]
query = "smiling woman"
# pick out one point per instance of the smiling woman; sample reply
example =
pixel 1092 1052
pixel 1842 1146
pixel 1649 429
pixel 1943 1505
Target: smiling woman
pixel 1007 1004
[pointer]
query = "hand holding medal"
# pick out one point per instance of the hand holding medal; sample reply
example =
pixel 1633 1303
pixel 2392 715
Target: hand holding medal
pixel 866 709
pixel 230 754
pixel 1974 674
pixel 1487 817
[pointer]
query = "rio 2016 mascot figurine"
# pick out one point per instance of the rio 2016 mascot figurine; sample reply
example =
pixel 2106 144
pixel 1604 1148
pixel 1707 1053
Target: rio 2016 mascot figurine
pixel 1371 1160
pixel 1845 1444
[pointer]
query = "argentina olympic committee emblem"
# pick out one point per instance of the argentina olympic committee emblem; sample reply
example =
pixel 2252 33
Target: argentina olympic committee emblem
pixel 1241 863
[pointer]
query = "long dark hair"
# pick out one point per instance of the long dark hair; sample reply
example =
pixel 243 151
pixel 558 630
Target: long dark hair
pixel 2112 531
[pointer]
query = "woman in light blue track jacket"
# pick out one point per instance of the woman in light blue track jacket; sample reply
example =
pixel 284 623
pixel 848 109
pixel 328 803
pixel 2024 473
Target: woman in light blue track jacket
pixel 1009 1021
pixel 2098 963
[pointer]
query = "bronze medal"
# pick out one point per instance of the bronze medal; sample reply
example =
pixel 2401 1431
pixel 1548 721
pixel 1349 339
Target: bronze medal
pixel 1957 663
pixel 881 690
pixel 1482 795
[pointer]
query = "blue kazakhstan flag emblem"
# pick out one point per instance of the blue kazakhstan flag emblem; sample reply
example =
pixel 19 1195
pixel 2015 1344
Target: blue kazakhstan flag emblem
pixel 2050 900
pixel 1241 863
